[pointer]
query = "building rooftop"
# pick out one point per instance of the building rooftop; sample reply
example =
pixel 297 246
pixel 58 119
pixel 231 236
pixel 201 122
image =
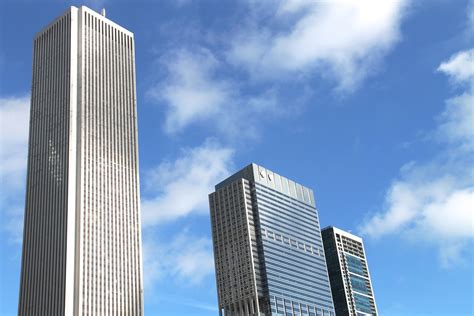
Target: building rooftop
pixel 272 180
pixel 342 232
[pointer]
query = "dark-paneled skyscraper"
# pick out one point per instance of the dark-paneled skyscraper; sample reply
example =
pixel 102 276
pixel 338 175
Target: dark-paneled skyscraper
pixel 268 250
pixel 82 232
pixel 349 274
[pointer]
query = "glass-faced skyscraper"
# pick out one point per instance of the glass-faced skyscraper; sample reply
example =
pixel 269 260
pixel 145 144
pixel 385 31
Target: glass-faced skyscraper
pixel 349 274
pixel 82 232
pixel 268 251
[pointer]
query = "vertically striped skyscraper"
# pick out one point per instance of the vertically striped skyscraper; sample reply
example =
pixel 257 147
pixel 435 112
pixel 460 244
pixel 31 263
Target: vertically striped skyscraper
pixel 268 250
pixel 82 232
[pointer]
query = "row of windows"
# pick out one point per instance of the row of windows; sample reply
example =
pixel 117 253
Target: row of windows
pixel 284 306
pixel 291 241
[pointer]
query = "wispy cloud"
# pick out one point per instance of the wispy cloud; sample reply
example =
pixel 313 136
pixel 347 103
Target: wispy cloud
pixel 195 90
pixel 180 187
pixel 434 201
pixel 460 67
pixel 14 118
pixel 235 80
pixel 343 40
pixel 191 90
pixel 429 204
pixel 186 258
pixel 174 190
pixel 456 123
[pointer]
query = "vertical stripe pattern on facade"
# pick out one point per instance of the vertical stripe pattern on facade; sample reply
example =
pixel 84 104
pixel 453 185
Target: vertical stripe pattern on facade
pixel 235 252
pixel 110 234
pixel 83 127
pixel 43 272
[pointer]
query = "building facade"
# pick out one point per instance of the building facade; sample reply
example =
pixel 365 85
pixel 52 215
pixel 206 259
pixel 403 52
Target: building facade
pixel 268 250
pixel 349 273
pixel 82 231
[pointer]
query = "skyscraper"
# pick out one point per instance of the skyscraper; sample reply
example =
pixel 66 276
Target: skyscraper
pixel 268 251
pixel 82 232
pixel 349 274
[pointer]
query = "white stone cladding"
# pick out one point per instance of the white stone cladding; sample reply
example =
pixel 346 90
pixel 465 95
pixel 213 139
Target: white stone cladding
pixel 82 232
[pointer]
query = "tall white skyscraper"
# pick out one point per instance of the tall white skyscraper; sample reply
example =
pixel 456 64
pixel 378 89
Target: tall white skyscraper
pixel 82 232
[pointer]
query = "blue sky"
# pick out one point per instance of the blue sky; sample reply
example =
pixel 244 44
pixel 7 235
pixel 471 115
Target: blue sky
pixel 368 102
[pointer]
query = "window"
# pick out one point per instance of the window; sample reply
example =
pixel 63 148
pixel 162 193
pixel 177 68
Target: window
pixel 362 303
pixel 359 284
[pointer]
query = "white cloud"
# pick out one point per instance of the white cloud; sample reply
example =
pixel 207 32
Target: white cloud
pixel 426 207
pixel 457 122
pixel 420 199
pixel 13 219
pixel 14 118
pixel 191 90
pixel 184 184
pixel 434 201
pixel 194 91
pixel 460 67
pixel 176 189
pixel 342 38
pixel 451 217
pixel 186 258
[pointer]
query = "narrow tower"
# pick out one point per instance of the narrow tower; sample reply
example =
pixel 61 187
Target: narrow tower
pixel 268 250
pixel 82 232
pixel 349 273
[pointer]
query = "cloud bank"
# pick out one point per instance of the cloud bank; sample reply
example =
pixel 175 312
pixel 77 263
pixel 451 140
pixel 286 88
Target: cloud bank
pixel 194 91
pixel 343 39
pixel 187 259
pixel 191 89
pixel 226 83
pixel 434 201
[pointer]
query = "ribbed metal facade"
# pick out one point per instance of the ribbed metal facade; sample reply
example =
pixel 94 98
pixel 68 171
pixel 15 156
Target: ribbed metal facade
pixel 349 273
pixel 281 243
pixel 43 274
pixel 82 233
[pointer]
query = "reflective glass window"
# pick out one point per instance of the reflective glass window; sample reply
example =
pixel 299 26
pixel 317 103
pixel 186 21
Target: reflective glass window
pixel 358 284
pixel 355 265
pixel 362 303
